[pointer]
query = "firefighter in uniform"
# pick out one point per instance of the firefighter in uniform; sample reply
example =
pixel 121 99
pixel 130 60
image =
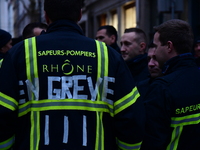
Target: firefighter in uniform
pixel 172 103
pixel 64 91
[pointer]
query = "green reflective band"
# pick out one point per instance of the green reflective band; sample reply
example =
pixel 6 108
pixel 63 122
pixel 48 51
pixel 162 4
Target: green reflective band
pixel 185 120
pixel 31 58
pixel 126 101
pixel 175 138
pixel 8 102
pixel 33 91
pixel 102 71
pixel 66 104
pixel 35 131
pixel 7 144
pixel 31 64
pixel 102 61
pixel 126 146
pixel 1 61
pixel 99 132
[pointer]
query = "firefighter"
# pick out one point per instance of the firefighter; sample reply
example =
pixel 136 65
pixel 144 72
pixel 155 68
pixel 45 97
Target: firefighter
pixel 172 102
pixel 62 90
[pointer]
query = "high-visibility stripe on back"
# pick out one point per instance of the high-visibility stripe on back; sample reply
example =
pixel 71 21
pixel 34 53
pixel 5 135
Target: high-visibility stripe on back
pixel 65 104
pixel 102 71
pixel 33 83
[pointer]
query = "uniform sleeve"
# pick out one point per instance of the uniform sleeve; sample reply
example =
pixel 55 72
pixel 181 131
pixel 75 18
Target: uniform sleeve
pixel 129 111
pixel 157 127
pixel 8 103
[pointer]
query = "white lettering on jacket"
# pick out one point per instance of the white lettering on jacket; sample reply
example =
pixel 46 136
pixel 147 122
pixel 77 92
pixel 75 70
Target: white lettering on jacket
pixel 73 87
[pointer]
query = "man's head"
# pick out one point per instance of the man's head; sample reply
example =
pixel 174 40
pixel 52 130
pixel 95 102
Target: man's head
pixel 153 65
pixel 62 9
pixel 33 29
pixel 133 43
pixel 5 41
pixel 172 38
pixel 197 47
pixel 107 34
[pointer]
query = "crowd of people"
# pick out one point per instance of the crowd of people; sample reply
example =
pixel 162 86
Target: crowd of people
pixel 61 90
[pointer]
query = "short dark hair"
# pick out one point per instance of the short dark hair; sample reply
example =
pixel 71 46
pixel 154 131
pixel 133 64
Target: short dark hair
pixel 110 30
pixel 178 32
pixel 63 9
pixel 28 29
pixel 141 34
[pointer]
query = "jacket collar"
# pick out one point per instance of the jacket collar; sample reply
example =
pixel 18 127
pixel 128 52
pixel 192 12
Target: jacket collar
pixel 64 25
pixel 179 61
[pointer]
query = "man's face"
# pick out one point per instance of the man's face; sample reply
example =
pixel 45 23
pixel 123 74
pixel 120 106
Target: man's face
pixel 197 50
pixel 153 65
pixel 6 47
pixel 129 47
pixel 103 37
pixel 161 54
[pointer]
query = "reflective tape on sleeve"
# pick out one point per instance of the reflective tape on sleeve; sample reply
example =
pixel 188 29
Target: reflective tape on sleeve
pixel 8 102
pixel 126 101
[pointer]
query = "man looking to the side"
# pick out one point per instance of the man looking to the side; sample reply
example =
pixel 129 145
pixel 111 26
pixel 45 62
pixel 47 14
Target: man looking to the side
pixel 108 34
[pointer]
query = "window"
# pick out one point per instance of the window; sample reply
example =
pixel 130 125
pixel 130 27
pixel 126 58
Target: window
pixel 114 19
pixel 102 20
pixel 130 15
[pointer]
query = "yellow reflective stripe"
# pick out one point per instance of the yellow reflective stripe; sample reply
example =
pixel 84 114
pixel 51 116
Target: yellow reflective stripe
pixel 65 104
pixel 5 145
pixel 8 102
pixel 99 64
pixel 1 61
pixel 31 58
pixel 31 63
pixel 32 76
pixel 102 70
pixel 35 130
pixel 99 132
pixel 175 138
pixel 126 101
pixel 127 146
pixel 185 120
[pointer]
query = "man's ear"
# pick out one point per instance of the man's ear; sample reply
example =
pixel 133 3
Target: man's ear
pixel 142 47
pixel 113 38
pixel 170 46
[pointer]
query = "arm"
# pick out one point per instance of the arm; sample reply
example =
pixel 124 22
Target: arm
pixel 157 129
pixel 129 112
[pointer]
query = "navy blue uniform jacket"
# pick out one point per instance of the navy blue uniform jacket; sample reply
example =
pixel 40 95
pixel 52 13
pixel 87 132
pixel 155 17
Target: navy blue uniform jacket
pixel 62 90
pixel 173 107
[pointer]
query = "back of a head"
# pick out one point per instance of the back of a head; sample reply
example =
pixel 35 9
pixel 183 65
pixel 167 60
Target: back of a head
pixel 28 29
pixel 63 9
pixel 5 37
pixel 141 35
pixel 178 32
pixel 110 30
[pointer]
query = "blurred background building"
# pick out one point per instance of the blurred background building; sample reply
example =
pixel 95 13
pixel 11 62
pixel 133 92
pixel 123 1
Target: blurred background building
pixel 122 14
